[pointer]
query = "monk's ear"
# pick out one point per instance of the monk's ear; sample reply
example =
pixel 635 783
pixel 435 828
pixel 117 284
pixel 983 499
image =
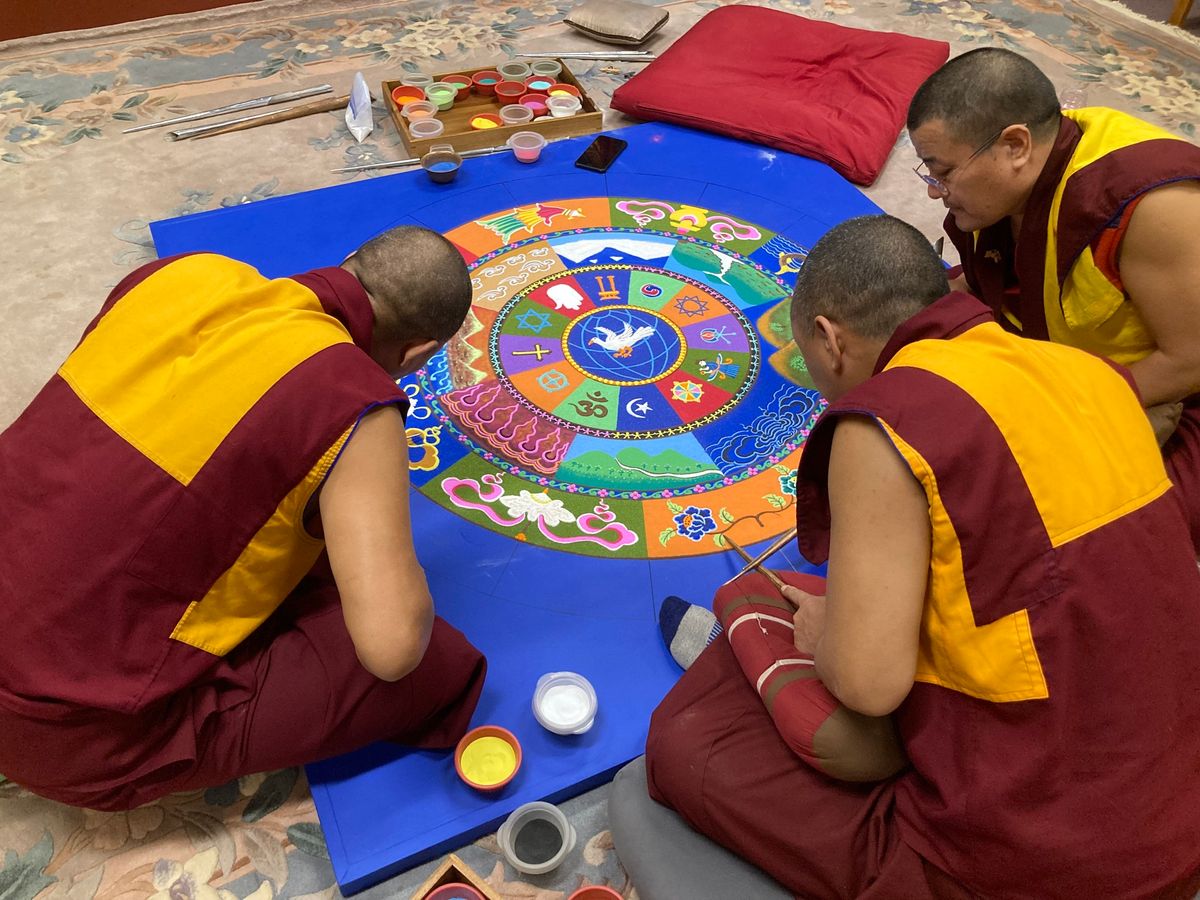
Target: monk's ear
pixel 831 341
pixel 1017 143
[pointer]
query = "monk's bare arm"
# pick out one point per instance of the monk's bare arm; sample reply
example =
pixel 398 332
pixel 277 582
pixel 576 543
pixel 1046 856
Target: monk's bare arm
pixel 1160 268
pixel 368 534
pixel 878 566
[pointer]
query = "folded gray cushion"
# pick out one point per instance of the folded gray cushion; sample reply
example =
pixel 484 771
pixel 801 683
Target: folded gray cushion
pixel 616 21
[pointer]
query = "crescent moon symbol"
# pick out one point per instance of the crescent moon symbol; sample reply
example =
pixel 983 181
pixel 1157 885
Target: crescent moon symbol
pixel 629 408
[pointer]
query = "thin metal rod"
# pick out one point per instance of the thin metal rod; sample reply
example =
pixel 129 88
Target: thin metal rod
pixel 626 57
pixel 396 163
pixel 280 115
pixel 270 100
pixel 552 53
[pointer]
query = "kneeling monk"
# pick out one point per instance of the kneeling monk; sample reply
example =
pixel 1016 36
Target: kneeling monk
pixel 208 569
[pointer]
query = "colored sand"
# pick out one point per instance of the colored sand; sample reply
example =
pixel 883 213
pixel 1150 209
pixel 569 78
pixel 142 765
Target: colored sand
pixel 488 80
pixel 564 704
pixel 443 167
pixel 480 122
pixel 561 93
pixel 539 85
pixel 488 760
pixel 537 842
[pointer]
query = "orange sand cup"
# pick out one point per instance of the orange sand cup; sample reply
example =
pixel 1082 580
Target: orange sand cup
pixel 488 757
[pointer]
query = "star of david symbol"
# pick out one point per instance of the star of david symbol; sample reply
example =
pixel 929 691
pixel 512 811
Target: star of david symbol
pixel 552 381
pixel 687 391
pixel 534 320
pixel 691 306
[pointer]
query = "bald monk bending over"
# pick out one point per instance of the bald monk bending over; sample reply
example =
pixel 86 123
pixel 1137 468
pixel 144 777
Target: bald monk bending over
pixel 1015 591
pixel 208 566
pixel 1076 226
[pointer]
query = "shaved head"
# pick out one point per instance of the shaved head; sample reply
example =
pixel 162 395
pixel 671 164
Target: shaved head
pixel 869 274
pixel 417 281
pixel 981 92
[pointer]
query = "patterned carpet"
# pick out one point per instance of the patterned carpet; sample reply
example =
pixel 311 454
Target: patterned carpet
pixel 77 196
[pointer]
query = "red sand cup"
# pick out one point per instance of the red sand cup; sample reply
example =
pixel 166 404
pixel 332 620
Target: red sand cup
pixel 563 106
pixel 406 93
pixel 527 146
pixel 516 114
pixel 442 94
pixel 488 757
pixel 418 109
pixel 455 891
pixel 485 82
pixel 514 70
pixel 593 892
pixel 426 128
pixel 535 102
pixel 538 84
pixel 485 122
pixel 561 87
pixel 462 84
pixel 510 91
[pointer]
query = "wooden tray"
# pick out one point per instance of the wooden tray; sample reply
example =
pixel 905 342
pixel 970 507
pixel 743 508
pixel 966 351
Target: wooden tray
pixel 459 133
pixel 454 870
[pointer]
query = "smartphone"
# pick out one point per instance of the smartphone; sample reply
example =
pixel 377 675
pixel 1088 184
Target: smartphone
pixel 601 153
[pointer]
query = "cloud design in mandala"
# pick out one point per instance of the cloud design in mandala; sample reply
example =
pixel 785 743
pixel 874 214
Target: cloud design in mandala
pixel 788 412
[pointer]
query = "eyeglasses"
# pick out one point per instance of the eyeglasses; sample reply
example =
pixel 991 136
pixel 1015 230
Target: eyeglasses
pixel 939 184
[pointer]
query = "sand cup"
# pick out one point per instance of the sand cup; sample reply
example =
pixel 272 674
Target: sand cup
pixel 441 163
pixel 417 79
pixel 551 68
pixel 516 114
pixel 527 146
pixel 536 838
pixel 564 702
pixel 514 70
pixel 563 106
pixel 441 93
pixel 455 891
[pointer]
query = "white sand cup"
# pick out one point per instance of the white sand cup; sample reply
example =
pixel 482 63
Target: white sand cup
pixel 563 106
pixel 564 703
pixel 536 838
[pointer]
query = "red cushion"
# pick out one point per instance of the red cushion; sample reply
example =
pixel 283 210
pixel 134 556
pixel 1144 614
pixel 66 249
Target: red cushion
pixel 836 94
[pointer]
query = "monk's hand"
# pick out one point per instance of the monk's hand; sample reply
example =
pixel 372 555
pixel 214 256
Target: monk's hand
pixel 1164 419
pixel 808 620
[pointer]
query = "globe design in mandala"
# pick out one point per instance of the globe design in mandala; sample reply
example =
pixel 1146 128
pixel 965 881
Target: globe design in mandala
pixel 624 345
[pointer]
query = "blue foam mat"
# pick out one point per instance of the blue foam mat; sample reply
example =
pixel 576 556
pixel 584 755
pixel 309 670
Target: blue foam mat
pixel 531 610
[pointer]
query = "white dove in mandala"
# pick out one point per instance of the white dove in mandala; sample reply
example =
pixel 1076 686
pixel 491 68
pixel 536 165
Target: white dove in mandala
pixel 621 345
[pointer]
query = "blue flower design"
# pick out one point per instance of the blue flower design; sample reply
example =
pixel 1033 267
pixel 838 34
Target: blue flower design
pixel 694 523
pixel 787 484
